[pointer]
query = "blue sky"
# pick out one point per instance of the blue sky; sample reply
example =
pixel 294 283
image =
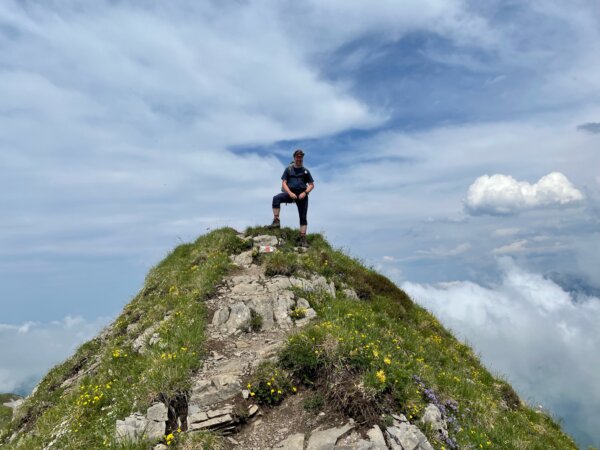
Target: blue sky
pixel 455 147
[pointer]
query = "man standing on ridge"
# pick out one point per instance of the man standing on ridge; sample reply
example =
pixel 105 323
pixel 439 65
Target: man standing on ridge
pixel 296 184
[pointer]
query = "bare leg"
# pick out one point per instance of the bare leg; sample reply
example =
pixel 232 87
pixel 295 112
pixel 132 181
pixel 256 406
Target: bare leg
pixel 303 230
pixel 276 213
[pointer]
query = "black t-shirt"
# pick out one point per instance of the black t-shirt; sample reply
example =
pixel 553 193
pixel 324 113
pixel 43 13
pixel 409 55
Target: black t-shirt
pixel 297 178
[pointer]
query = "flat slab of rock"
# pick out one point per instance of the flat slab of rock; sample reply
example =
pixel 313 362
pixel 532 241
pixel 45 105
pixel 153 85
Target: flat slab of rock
pixel 212 423
pixel 376 437
pixel 219 388
pixel 244 259
pixel 158 412
pixel 293 442
pixel 265 240
pixel 326 439
pixel 137 426
pixel 407 437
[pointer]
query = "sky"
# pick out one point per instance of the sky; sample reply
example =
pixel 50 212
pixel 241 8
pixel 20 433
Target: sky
pixel 455 147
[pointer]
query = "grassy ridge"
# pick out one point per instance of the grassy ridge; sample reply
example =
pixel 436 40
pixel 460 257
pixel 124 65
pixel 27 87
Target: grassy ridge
pixel 83 415
pixel 368 357
pixel 385 354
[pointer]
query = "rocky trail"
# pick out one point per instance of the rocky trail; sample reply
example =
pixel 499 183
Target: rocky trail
pixel 219 401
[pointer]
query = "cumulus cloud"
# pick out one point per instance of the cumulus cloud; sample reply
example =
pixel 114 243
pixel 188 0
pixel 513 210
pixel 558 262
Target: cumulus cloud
pixel 503 195
pixel 553 339
pixel 590 127
pixel 29 349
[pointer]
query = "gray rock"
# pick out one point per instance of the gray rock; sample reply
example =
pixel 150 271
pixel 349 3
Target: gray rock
pixel 219 388
pixel 317 283
pixel 408 437
pixel 282 308
pixel 154 339
pixel 160 447
pixel 376 437
pixel 158 412
pixel 252 410
pixel 350 293
pixel 302 303
pixel 133 328
pixel 265 240
pixel 432 416
pixel 139 344
pixel 136 427
pixel 244 259
pixel 197 416
pixel 263 305
pixel 400 417
pixel 245 289
pixel 220 412
pixel 243 279
pixel 221 316
pixel 326 439
pixel 155 430
pixel 293 442
pixel 239 317
pixel 217 422
pixel 279 283
pixel 361 444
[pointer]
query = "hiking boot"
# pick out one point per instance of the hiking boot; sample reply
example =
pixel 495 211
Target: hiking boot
pixel 303 242
pixel 276 224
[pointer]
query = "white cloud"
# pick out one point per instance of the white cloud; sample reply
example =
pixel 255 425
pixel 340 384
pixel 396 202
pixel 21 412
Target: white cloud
pixel 30 349
pixel 503 232
pixel 502 194
pixel 514 247
pixel 445 252
pixel 553 339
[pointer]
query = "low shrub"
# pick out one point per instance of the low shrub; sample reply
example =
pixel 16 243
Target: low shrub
pixel 314 402
pixel 280 263
pixel 256 321
pixel 270 384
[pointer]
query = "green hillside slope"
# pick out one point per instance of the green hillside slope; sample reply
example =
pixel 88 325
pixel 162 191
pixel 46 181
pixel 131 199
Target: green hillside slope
pixel 367 358
pixel 5 411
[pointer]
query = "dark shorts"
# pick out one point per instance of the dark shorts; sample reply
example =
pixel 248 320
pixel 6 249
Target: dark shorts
pixel 302 205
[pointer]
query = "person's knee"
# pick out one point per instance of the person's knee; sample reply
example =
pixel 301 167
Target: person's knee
pixel 276 201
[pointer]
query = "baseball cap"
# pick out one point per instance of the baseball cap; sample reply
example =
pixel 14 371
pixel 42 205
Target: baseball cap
pixel 298 152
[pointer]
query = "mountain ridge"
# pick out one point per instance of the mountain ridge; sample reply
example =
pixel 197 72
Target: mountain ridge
pixel 359 350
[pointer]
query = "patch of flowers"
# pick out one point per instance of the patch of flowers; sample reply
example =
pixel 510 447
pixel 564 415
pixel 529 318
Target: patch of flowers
pixel 270 385
pixel 298 313
pixel 448 408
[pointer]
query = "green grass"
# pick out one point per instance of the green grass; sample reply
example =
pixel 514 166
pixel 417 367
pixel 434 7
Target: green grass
pixel 126 381
pixel 385 354
pixel 367 357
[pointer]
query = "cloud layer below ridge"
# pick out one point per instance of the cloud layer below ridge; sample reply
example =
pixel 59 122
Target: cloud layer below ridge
pixel 529 329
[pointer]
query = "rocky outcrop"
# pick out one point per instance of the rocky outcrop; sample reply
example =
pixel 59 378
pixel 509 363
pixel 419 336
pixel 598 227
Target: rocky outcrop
pixel 403 435
pixel 139 426
pixel 252 315
pixel 269 297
